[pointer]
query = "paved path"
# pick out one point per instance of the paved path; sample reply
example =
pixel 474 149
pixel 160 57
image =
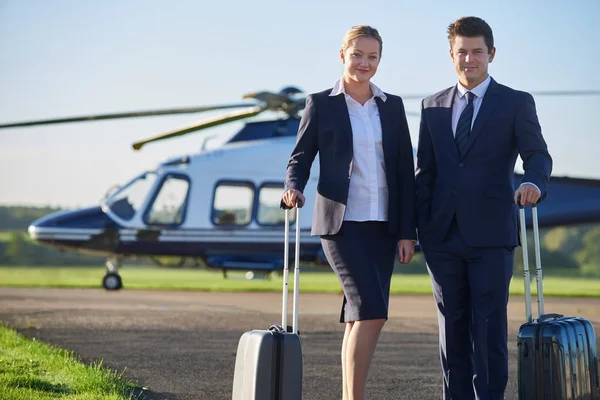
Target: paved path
pixel 181 345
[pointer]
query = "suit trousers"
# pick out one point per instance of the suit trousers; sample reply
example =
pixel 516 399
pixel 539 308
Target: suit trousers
pixel 470 287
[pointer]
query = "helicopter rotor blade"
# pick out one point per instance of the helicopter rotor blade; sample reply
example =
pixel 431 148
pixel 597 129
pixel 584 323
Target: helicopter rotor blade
pixel 282 101
pixel 540 93
pixel 267 97
pixel 133 114
pixel 250 112
pixel 566 93
pixel 278 101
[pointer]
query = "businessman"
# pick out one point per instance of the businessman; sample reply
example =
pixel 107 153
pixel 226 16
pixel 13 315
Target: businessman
pixel 469 139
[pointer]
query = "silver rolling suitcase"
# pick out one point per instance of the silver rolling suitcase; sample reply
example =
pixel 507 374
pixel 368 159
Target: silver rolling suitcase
pixel 268 364
pixel 556 354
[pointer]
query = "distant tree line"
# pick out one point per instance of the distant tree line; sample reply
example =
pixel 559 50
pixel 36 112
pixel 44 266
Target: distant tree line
pixel 570 251
pixel 17 249
pixel 19 217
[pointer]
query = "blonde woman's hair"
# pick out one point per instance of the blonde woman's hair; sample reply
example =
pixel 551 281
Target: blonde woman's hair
pixel 361 30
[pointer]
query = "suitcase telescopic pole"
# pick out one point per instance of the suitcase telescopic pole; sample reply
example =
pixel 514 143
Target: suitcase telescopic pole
pixel 286 270
pixel 538 261
pixel 296 270
pixel 526 274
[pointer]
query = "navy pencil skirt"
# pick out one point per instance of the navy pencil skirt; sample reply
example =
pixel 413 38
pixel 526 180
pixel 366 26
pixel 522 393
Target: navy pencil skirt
pixel 362 255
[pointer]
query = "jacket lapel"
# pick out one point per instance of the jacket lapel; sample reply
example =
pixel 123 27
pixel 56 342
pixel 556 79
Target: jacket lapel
pixel 490 99
pixel 445 101
pixel 341 122
pixel 386 132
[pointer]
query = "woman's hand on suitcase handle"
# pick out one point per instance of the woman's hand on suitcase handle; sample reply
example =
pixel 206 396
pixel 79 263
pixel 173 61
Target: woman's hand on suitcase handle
pixel 406 249
pixel 290 197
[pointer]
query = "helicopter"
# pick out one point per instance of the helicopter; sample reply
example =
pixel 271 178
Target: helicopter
pixel 221 206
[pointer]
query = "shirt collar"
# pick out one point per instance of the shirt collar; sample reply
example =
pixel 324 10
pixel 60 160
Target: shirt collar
pixel 478 90
pixel 339 88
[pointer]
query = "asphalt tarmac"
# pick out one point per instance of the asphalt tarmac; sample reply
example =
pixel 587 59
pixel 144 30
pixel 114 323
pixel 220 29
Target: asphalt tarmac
pixel 181 345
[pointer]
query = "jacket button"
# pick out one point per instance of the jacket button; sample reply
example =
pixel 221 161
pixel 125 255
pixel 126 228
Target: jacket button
pixel 461 165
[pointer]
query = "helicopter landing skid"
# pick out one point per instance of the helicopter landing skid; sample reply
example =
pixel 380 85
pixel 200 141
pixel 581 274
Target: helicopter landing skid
pixel 112 280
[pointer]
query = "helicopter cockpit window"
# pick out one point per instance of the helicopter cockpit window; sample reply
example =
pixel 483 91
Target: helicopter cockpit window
pixel 233 204
pixel 269 211
pixel 126 202
pixel 169 203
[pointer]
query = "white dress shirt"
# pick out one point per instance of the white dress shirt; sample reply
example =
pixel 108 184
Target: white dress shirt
pixel 460 102
pixel 368 192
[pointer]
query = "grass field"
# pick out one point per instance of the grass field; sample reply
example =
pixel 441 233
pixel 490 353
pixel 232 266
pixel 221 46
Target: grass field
pixel 33 370
pixel 202 280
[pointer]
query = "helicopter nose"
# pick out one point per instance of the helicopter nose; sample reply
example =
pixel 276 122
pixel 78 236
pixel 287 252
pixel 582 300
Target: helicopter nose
pixel 70 225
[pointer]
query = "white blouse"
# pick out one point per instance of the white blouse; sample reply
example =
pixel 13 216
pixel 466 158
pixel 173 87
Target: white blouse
pixel 368 193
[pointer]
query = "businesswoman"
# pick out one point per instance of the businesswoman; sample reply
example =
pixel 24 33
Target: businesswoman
pixel 365 202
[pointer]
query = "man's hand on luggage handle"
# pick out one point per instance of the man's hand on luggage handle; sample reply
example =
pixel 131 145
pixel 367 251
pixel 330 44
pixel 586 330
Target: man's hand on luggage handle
pixel 528 193
pixel 289 197
pixel 406 249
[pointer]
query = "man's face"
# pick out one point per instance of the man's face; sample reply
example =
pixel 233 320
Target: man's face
pixel 471 57
pixel 361 59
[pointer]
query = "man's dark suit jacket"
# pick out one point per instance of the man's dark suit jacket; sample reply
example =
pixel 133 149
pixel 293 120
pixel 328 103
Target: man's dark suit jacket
pixel 325 128
pixel 478 188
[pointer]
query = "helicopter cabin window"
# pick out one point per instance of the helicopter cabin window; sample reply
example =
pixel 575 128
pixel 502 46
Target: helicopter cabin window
pixel 169 203
pixel 232 205
pixel 126 202
pixel 269 211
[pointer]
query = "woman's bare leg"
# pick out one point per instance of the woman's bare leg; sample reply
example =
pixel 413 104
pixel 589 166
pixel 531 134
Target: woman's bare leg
pixel 359 343
pixel 344 370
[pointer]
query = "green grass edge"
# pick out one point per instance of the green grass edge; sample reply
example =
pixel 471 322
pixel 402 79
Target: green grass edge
pixel 150 278
pixel 34 370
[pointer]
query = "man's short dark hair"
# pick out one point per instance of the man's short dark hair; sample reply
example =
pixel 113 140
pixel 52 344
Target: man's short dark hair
pixel 471 27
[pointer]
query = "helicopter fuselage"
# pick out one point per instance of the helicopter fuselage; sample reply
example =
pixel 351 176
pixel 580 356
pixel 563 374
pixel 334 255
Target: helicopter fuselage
pixel 221 206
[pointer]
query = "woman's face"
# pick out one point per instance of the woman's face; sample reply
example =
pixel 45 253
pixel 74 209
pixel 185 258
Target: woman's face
pixel 361 59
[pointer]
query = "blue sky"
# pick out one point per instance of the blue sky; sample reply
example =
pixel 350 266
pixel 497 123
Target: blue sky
pixel 64 58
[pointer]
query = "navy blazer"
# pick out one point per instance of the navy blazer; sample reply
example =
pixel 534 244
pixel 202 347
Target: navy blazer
pixel 478 188
pixel 325 128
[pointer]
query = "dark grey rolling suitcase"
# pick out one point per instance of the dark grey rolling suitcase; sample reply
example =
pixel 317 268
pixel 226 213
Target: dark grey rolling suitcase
pixel 268 364
pixel 556 354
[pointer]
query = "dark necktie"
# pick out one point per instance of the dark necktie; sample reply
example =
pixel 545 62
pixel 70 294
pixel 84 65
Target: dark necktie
pixel 463 128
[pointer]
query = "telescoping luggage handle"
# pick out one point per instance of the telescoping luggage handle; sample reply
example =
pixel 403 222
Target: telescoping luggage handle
pixel 286 269
pixel 538 264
